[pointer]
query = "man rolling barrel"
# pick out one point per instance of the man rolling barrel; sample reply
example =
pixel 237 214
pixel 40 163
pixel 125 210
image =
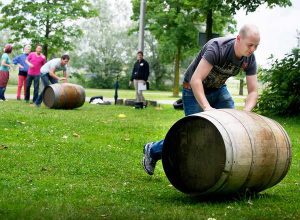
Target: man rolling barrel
pixel 204 86
pixel 49 76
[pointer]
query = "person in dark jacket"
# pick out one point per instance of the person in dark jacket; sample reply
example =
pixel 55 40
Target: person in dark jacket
pixel 139 76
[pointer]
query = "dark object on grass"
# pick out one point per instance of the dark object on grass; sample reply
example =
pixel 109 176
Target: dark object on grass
pixel 64 96
pixel 116 85
pixel 226 151
pixel 130 102
pixel 95 97
pixel 104 103
pixel 140 105
pixel 178 105
pixel 120 102
pixel 152 103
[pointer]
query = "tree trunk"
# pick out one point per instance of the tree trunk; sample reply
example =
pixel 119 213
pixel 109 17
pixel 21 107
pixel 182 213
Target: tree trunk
pixel 46 50
pixel 209 24
pixel 176 78
pixel 47 34
pixel 241 92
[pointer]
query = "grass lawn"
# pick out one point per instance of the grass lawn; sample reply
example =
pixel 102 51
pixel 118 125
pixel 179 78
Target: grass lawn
pixel 130 94
pixel 85 164
pixel 109 93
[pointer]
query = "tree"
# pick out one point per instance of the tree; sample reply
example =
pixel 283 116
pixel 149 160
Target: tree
pixel 106 51
pixel 231 6
pixel 159 71
pixel 252 5
pixel 281 94
pixel 216 12
pixel 49 22
pixel 175 24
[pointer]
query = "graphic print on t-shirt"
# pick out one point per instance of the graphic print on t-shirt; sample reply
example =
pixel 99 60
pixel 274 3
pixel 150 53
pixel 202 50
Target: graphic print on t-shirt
pixel 218 75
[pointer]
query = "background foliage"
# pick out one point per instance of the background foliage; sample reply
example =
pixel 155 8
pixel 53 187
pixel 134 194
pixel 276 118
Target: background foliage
pixel 281 93
pixel 105 51
pixel 176 25
pixel 51 23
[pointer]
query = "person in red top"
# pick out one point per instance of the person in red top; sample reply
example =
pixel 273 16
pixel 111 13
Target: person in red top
pixel 35 61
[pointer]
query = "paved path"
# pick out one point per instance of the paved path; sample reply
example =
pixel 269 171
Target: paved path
pixel 166 102
pixel 87 99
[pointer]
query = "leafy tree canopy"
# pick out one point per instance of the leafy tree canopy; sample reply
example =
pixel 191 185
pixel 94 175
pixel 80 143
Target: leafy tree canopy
pixel 105 52
pixel 252 5
pixel 176 25
pixel 49 22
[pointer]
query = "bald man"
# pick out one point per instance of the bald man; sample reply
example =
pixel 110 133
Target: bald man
pixel 204 85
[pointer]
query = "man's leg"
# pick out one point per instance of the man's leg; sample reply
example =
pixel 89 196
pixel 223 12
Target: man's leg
pixel 28 85
pixel 36 88
pixel 45 83
pixel 152 153
pixel 135 83
pixel 141 97
pixel 140 93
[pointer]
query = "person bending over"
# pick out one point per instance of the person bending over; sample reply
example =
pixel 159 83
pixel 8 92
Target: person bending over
pixel 48 74
pixel 204 86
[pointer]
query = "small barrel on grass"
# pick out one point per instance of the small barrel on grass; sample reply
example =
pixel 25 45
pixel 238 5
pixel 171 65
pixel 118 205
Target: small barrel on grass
pixel 64 96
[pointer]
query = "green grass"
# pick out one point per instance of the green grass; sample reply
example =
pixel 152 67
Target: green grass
pixel 109 93
pixel 130 94
pixel 85 164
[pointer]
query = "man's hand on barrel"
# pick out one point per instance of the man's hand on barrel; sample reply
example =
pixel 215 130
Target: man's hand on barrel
pixel 62 79
pixel 208 108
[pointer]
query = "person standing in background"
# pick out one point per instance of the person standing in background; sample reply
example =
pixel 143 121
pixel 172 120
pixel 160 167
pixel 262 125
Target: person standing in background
pixel 140 74
pixel 23 69
pixel 35 61
pixel 4 70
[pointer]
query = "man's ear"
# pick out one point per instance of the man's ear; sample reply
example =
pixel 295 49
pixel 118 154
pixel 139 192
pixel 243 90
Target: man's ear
pixel 238 38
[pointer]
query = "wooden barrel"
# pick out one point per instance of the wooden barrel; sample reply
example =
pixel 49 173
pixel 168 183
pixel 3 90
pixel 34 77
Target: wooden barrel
pixel 64 96
pixel 225 151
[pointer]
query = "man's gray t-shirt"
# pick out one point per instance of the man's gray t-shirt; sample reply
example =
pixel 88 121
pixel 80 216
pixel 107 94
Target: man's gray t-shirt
pixel 53 64
pixel 219 52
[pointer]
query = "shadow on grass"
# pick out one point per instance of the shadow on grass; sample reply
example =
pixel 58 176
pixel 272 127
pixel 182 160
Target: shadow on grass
pixel 219 199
